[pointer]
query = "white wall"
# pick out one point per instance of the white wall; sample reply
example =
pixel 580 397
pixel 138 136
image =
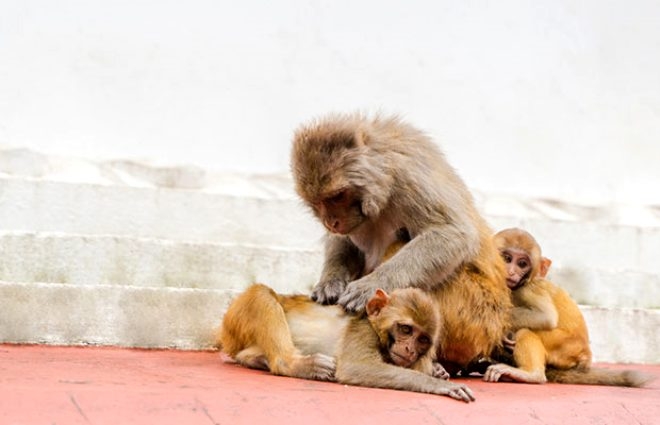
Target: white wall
pixel 553 99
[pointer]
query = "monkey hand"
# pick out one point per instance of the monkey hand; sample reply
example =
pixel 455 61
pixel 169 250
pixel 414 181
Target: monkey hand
pixel 439 371
pixel 357 293
pixel 509 341
pixel 456 391
pixel 328 291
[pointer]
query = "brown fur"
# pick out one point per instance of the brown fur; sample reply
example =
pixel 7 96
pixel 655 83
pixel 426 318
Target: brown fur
pixel 293 336
pixel 367 179
pixel 564 347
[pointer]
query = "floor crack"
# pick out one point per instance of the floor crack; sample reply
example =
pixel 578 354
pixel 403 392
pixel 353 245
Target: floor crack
pixel 75 403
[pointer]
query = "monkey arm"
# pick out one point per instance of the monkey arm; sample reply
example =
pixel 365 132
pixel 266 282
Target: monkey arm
pixel 535 311
pixel 426 261
pixel 359 362
pixel 343 263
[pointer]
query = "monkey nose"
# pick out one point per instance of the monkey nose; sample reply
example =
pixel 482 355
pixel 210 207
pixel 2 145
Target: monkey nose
pixel 331 225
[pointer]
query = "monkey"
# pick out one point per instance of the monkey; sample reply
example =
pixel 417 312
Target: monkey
pixel 389 345
pixel 368 180
pixel 550 330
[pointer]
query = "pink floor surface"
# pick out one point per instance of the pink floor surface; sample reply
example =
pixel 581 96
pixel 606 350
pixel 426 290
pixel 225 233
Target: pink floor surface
pixel 93 385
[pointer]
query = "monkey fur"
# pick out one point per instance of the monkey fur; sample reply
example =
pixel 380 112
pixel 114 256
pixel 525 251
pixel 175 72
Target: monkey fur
pixel 390 345
pixel 368 180
pixel 550 329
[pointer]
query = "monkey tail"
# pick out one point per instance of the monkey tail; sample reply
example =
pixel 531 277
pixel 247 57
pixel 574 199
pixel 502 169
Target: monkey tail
pixel 599 376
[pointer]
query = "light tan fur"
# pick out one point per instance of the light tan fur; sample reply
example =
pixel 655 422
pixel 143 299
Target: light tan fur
pixel 293 336
pixel 368 179
pixel 550 329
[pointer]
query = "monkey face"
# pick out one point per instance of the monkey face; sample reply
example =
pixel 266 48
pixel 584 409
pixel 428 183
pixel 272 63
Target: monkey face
pixel 338 174
pixel 518 267
pixel 340 212
pixel 407 344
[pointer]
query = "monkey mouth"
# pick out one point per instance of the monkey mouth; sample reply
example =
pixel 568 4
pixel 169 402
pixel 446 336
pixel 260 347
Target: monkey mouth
pixel 400 360
pixel 512 284
pixel 342 230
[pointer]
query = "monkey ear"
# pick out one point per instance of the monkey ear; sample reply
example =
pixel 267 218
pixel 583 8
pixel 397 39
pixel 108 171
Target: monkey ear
pixel 377 302
pixel 545 265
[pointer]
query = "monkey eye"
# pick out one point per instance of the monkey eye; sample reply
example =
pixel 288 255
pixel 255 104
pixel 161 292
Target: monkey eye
pixel 507 257
pixel 424 339
pixel 523 264
pixel 339 197
pixel 405 329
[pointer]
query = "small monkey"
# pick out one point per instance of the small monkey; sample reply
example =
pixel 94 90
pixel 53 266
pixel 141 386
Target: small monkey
pixel 368 180
pixel 390 345
pixel 550 330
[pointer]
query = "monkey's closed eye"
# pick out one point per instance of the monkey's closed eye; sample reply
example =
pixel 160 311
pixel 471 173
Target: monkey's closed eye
pixel 339 197
pixel 424 340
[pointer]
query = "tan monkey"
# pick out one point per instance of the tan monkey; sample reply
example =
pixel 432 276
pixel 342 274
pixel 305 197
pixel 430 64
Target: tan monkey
pixel 369 179
pixel 390 345
pixel 550 329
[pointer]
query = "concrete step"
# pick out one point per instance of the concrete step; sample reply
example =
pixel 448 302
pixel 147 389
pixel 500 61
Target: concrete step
pixel 64 314
pixel 176 214
pixel 186 318
pixel 274 217
pixel 158 263
pixel 133 254
pixel 153 263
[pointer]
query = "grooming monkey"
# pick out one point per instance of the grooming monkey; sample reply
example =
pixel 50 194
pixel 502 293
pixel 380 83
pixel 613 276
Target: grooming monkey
pixel 390 345
pixel 368 180
pixel 550 329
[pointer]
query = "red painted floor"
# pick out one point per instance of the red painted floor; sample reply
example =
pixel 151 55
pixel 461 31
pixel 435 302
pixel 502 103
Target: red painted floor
pixel 90 385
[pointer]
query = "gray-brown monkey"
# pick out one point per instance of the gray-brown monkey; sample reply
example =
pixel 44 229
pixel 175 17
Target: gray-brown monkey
pixel 368 180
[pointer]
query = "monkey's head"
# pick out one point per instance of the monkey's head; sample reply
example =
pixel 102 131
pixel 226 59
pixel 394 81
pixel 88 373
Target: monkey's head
pixel 338 174
pixel 407 323
pixel 522 255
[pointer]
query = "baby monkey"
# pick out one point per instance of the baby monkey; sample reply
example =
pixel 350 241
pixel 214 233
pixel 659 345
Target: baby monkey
pixel 391 344
pixel 550 330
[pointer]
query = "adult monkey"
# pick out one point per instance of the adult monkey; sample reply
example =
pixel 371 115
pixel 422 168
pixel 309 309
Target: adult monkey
pixel 372 180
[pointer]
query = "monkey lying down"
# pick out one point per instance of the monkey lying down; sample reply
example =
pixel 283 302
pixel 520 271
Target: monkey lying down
pixel 389 345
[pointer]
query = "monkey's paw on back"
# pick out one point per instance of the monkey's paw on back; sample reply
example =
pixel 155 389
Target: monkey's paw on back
pixel 357 293
pixel 328 291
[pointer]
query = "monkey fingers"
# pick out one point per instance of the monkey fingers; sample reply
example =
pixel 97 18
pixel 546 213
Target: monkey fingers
pixel 459 392
pixel 494 372
pixel 356 294
pixel 439 371
pixel 323 367
pixel 328 291
pixel 509 341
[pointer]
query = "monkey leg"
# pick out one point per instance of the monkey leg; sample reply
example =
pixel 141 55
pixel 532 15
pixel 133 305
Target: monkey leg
pixel 566 349
pixel 256 334
pixel 252 357
pixel 530 357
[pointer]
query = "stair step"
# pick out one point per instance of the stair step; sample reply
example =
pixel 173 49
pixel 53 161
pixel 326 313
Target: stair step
pixel 186 318
pixel 184 215
pixel 128 316
pixel 275 217
pixel 156 263
pixel 141 262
